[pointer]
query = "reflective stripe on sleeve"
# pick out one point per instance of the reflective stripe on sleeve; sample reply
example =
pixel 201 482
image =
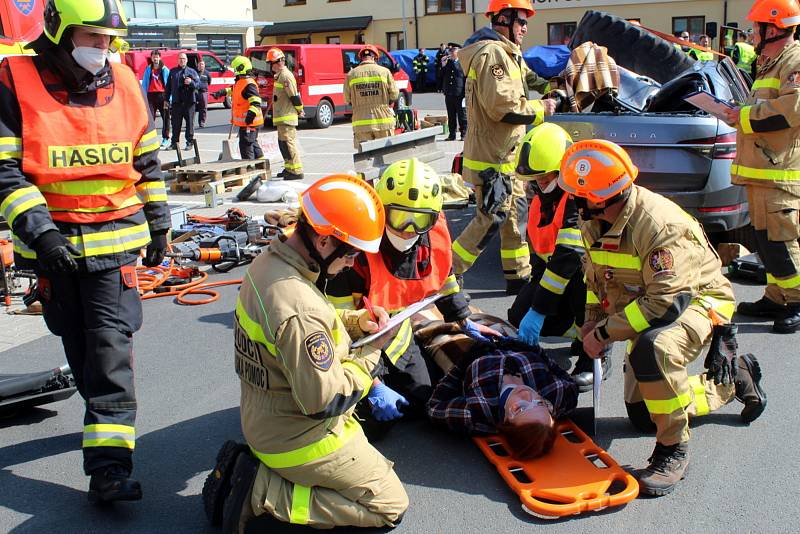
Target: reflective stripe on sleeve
pixel 514 253
pixel 152 191
pixel 400 343
pixel 636 317
pixel 19 201
pixel 767 83
pixel 462 253
pixel 10 148
pixel 252 328
pixel 591 297
pixel 364 378
pixel 450 286
pixel 342 303
pixel 570 237
pixel 553 282
pixel 148 143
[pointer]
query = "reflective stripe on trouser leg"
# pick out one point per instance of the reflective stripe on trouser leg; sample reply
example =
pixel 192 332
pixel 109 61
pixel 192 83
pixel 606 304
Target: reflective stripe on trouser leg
pixel 291 160
pixel 363 491
pixel 514 253
pixel 474 238
pixel 658 359
pixel 708 396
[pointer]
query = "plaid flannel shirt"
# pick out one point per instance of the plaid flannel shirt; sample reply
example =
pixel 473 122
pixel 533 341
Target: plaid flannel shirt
pixel 467 398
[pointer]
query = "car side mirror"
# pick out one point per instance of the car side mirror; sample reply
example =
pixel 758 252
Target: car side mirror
pixel 395 68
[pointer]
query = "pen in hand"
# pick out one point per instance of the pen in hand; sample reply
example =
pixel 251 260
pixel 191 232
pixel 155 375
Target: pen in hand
pixel 368 306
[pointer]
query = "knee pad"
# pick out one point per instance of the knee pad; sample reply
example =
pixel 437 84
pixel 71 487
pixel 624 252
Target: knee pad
pixel 639 416
pixel 643 357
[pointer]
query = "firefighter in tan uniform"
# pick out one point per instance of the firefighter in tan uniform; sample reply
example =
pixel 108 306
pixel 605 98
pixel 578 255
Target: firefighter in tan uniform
pixel 655 281
pixel 370 89
pixel 768 162
pixel 308 461
pixel 497 111
pixel 286 108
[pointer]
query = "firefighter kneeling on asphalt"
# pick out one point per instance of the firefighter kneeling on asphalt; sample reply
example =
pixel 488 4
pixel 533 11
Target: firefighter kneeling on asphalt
pixel 656 282
pixel 307 461
pixel 245 108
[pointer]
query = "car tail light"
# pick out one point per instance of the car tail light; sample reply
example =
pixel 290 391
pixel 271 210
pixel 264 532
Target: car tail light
pixel 721 209
pixel 719 147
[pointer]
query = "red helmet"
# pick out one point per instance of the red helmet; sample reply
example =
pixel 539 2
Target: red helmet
pixel 782 13
pixel 368 48
pixel 496 6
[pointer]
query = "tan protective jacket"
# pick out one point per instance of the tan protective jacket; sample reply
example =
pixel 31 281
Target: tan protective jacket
pixel 299 380
pixel 284 88
pixel 649 267
pixel 497 89
pixel 370 89
pixel 768 134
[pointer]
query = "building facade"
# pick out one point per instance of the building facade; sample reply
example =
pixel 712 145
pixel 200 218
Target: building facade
pixel 223 27
pixel 398 24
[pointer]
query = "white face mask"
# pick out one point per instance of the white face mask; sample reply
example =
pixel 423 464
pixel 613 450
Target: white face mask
pixel 402 244
pixel 90 58
pixel 549 188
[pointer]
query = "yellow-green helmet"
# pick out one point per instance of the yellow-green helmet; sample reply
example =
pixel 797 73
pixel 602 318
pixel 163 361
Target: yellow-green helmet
pixel 241 65
pixel 541 150
pixel 411 192
pixel 101 16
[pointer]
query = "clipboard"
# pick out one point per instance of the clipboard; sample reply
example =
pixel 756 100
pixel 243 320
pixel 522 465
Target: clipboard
pixel 397 319
pixel 710 104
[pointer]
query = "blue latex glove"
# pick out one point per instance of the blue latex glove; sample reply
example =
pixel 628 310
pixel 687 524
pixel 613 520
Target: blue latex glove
pixel 385 402
pixel 471 329
pixel 531 327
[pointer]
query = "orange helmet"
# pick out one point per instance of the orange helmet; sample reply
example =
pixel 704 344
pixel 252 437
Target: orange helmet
pixel 368 48
pixel 275 54
pixel 596 170
pixel 347 208
pixel 782 13
pixel 496 6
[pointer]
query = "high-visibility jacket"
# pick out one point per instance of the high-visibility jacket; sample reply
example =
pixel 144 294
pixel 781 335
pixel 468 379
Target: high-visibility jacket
pixel 557 247
pixel 370 89
pixel 78 163
pixel 299 380
pixel 497 103
pixel 701 55
pixel 286 103
pixel 653 264
pixel 245 98
pixel 747 55
pixel 394 293
pixel 768 132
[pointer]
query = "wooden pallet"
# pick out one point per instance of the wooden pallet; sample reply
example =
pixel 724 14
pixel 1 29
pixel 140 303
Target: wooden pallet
pixel 193 178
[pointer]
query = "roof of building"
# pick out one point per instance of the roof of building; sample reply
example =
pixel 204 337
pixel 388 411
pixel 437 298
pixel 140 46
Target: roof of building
pixel 316 26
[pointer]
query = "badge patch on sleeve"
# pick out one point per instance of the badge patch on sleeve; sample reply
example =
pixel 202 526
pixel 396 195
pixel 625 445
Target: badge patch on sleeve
pixel 320 350
pixel 498 71
pixel 661 261
pixel 794 79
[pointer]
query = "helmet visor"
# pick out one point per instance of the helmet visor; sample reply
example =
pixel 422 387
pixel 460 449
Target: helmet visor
pixel 405 219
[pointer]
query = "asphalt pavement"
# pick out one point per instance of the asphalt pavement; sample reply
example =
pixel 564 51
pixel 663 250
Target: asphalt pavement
pixel 741 478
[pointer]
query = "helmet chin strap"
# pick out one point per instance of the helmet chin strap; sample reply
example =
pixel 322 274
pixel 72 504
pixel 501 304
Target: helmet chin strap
pixel 762 30
pixel 509 14
pixel 322 281
pixel 588 214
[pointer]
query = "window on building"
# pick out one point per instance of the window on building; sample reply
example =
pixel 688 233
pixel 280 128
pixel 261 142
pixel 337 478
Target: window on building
pixel 152 37
pixel 226 47
pixel 150 9
pixel 444 6
pixel 300 40
pixel 395 41
pixel 255 4
pixel 295 2
pixel 333 39
pixel 559 33
pixel 694 25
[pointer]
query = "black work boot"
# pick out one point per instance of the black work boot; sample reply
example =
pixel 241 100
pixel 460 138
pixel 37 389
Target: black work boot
pixel 280 174
pixel 748 388
pixel 244 475
pixel 789 322
pixel 514 286
pixel 583 373
pixel 292 176
pixel 668 465
pixel 763 307
pixel 218 482
pixel 113 483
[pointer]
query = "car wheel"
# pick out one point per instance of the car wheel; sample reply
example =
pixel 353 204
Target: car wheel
pixel 324 117
pixel 227 102
pixel 632 47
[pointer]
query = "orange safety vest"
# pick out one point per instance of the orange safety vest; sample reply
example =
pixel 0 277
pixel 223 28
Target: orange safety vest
pixel 81 158
pixel 543 240
pixel 241 106
pixel 395 294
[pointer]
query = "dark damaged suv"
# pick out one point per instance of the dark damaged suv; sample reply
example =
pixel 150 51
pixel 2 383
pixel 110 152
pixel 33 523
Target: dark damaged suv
pixel 682 152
